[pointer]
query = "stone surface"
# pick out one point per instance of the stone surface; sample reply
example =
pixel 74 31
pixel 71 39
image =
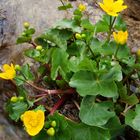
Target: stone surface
pixel 13 13
pixel 41 14
pixel 133 9
pixel 132 18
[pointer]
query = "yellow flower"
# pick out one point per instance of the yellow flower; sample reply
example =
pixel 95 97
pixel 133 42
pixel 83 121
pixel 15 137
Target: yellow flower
pixel 82 7
pixel 120 37
pixel 112 7
pixel 33 121
pixel 8 72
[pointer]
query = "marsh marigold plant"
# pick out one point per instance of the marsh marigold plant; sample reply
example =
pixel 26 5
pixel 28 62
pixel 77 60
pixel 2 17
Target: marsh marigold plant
pixel 78 66
pixel 120 37
pixel 33 121
pixel 112 7
pixel 8 72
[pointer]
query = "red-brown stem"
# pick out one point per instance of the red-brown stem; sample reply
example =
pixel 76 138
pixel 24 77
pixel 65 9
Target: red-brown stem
pixel 55 91
pixel 58 104
pixel 33 44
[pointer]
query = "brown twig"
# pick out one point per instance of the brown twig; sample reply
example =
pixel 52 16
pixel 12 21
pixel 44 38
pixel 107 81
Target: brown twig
pixel 33 44
pixel 76 104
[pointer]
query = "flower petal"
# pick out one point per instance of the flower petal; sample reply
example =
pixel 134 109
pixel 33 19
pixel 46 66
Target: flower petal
pixel 6 67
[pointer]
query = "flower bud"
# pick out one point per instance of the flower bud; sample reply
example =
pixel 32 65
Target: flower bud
pixel 78 36
pixel 17 67
pixel 39 47
pixel 21 98
pixel 53 123
pixel 83 35
pixel 26 25
pixel 51 131
pixel 14 99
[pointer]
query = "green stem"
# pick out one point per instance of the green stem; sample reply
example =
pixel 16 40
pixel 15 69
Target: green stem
pixel 113 22
pixel 62 2
pixel 90 50
pixel 38 99
pixel 110 27
pixel 115 55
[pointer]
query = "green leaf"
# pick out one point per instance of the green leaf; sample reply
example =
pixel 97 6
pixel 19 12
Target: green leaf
pixel 44 56
pixel 85 23
pixel 87 65
pixel 58 37
pixel 59 63
pixel 40 107
pixel 41 40
pixel 95 114
pixel 69 130
pixel 41 136
pixel 115 73
pixel 20 80
pixel 88 83
pixel 32 53
pixel 29 31
pixel 131 100
pixel 25 70
pixel 68 24
pixel 103 24
pixel 61 131
pixel 115 127
pixel 23 39
pixel 15 110
pixel 132 118
pixel 96 46
pixel 65 7
pixel 120 24
pixel 84 132
pixel 77 48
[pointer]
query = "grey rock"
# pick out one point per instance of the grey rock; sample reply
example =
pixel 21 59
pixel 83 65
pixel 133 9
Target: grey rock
pixel 13 13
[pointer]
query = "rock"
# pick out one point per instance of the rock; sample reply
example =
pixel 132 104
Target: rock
pixel 39 13
pixel 9 131
pixel 132 19
pixel 13 13
pixel 133 9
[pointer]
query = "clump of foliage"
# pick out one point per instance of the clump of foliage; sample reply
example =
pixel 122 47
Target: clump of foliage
pixel 72 62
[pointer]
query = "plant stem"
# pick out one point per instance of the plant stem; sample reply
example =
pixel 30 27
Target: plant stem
pixel 90 50
pixel 115 55
pixel 110 27
pixel 39 99
pixel 62 2
pixel 58 104
pixel 33 44
pixel 126 109
pixel 56 91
